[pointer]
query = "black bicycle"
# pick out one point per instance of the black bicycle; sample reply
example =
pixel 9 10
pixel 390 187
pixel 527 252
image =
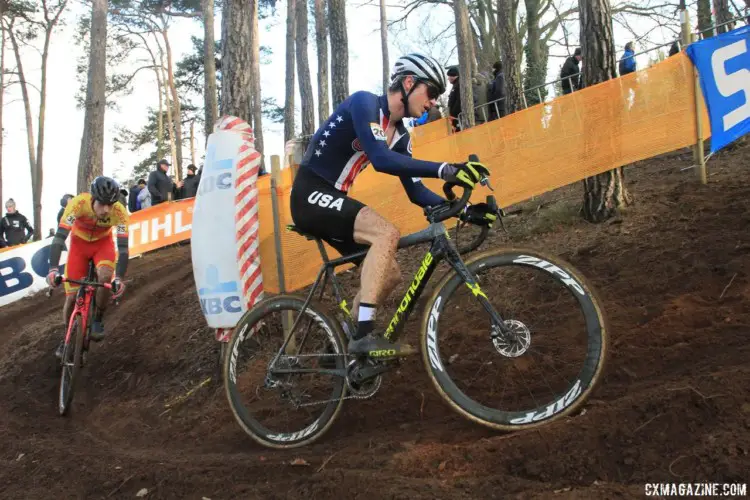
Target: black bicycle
pixel 522 343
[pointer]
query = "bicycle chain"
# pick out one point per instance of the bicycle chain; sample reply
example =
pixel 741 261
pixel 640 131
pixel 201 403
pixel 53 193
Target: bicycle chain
pixel 352 396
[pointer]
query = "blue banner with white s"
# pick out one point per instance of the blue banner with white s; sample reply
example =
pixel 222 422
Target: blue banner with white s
pixel 723 64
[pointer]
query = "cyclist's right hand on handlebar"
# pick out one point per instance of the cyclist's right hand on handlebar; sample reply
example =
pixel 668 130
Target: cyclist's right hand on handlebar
pixel 464 174
pixel 53 277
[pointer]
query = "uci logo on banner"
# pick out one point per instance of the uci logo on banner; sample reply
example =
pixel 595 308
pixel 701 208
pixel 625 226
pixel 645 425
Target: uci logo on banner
pixel 723 64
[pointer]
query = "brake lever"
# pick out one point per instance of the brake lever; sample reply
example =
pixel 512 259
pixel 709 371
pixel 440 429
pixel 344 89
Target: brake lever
pixel 485 181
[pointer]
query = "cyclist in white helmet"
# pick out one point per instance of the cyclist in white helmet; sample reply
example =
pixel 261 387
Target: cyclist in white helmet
pixel 367 129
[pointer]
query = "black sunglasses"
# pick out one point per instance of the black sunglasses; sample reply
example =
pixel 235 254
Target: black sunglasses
pixel 432 91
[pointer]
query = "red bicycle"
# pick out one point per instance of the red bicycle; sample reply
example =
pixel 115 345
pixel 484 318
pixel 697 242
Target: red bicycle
pixel 77 335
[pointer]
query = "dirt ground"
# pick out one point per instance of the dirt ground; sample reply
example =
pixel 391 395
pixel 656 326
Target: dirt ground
pixel 672 405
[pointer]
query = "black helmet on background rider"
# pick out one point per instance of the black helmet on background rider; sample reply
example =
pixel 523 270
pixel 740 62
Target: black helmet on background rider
pixel 105 190
pixel 423 68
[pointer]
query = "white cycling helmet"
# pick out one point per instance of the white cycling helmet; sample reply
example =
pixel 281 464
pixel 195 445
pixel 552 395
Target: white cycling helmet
pixel 422 67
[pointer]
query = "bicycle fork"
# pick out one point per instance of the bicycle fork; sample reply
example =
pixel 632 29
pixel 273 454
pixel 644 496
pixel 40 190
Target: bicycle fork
pixel 454 259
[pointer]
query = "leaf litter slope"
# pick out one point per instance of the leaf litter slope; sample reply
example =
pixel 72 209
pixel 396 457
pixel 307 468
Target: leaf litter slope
pixel 671 405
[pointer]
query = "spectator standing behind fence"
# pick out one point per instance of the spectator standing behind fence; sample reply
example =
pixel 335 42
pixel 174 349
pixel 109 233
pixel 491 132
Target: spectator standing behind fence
pixel 133 198
pixel 480 91
pixel 160 185
pixel 14 227
pixel 627 61
pixel 144 196
pixel 497 92
pixel 571 73
pixel 454 98
pixel 190 184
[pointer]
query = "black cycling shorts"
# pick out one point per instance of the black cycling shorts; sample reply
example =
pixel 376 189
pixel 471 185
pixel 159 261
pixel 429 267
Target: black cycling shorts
pixel 323 211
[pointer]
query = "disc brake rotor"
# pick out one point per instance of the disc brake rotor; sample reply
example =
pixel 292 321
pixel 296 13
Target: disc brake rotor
pixel 516 342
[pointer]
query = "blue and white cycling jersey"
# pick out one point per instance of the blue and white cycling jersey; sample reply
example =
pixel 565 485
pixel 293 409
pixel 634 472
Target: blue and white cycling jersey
pixel 354 136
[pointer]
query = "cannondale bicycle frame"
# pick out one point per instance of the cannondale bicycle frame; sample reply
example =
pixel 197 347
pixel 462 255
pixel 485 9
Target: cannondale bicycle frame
pixel 442 247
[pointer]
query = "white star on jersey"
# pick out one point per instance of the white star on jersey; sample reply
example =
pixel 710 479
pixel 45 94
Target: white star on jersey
pixel 339 119
pixel 332 125
pixel 317 152
pixel 322 144
pixel 326 133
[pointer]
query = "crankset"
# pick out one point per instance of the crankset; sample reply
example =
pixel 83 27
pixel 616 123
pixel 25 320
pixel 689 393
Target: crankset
pixel 364 377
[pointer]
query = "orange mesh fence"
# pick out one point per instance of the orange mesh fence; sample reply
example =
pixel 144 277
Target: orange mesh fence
pixel 530 152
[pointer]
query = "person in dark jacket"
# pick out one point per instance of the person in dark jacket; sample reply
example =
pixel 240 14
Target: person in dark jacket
pixel 14 227
pixel 497 91
pixel 63 203
pixel 133 197
pixel 190 185
pixel 454 98
pixel 570 73
pixel 160 185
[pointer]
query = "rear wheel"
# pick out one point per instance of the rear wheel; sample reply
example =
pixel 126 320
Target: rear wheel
pixel 543 368
pixel 285 399
pixel 72 361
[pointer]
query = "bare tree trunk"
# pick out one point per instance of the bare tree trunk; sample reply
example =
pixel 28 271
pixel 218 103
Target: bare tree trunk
pixel 209 65
pixel 192 141
pixel 506 25
pixel 91 158
pixel 291 29
pixel 536 60
pixel 176 111
pixel 255 83
pixel 321 39
pixel 605 193
pixel 463 38
pixel 2 97
pixel 160 118
pixel 339 51
pixel 384 46
pixel 475 49
pixel 50 24
pixel 303 71
pixel 236 64
pixel 29 129
pixel 170 121
pixel 721 10
pixel 704 19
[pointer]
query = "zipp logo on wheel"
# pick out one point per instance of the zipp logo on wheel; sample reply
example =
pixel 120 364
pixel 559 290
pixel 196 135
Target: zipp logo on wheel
pixel 547 266
pixel 325 200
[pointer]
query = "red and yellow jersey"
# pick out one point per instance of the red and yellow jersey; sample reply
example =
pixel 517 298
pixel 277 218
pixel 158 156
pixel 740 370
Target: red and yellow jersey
pixel 80 218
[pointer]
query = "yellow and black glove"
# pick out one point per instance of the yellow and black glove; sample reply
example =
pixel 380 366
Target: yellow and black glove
pixel 479 214
pixel 464 174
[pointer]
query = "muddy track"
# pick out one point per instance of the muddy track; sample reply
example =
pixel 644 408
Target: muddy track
pixel 671 405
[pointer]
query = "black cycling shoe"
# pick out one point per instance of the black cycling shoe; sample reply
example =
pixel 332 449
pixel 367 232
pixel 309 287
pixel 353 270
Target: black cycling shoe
pixel 375 347
pixel 97 331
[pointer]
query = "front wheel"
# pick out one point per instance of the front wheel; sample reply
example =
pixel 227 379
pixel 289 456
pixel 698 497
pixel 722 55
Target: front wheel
pixel 72 360
pixel 285 397
pixel 547 362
